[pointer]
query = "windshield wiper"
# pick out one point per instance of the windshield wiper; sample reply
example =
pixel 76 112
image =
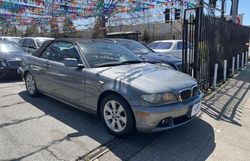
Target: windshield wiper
pixel 106 65
pixel 132 62
pixel 120 63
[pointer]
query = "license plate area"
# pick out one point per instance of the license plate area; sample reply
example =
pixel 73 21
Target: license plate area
pixel 195 109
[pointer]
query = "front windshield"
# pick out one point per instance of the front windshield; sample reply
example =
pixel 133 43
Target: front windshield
pixel 101 53
pixel 160 45
pixel 11 47
pixel 134 46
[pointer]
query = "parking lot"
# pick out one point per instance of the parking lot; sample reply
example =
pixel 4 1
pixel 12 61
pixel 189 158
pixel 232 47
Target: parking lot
pixel 44 129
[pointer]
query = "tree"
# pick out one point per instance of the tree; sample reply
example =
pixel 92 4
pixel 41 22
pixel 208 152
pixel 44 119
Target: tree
pixel 32 29
pixel 68 26
pixel 98 30
pixel 145 36
pixel 54 28
pixel 105 9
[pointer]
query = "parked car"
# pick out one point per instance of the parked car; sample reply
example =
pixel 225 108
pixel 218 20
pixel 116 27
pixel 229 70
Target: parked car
pixel 112 82
pixel 10 38
pixel 31 44
pixel 143 43
pixel 170 47
pixel 10 58
pixel 149 55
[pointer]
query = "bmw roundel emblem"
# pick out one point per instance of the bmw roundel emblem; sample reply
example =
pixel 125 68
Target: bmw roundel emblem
pixel 188 82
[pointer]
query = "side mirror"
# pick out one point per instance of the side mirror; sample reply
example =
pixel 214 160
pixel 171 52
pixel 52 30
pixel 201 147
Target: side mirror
pixel 71 62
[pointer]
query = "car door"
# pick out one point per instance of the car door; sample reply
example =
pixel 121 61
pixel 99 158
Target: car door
pixel 66 83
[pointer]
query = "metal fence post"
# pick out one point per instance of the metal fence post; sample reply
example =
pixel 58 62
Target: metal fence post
pixel 215 75
pixel 238 62
pixel 225 70
pixel 198 19
pixel 242 60
pixel 246 57
pixel 233 65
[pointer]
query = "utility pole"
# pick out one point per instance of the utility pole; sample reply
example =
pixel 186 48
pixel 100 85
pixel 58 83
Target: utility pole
pixel 15 29
pixel 234 9
pixel 222 8
pixel 103 20
pixel 41 32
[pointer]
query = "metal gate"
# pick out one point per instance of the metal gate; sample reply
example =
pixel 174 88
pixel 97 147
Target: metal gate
pixel 209 40
pixel 195 52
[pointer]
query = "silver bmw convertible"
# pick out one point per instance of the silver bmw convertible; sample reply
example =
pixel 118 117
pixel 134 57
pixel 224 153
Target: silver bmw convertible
pixel 110 81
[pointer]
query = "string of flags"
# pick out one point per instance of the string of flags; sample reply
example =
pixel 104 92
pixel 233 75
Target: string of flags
pixel 22 12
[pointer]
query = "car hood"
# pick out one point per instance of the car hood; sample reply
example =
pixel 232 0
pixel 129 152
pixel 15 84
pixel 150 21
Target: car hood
pixel 12 55
pixel 148 77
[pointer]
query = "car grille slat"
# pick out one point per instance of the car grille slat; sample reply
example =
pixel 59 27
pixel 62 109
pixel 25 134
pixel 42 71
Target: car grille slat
pixel 185 94
pixel 188 93
pixel 195 90
pixel 14 63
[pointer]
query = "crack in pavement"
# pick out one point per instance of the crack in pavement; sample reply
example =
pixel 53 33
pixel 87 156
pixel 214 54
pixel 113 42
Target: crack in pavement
pixel 18 103
pixel 20 121
pixel 11 94
pixel 46 147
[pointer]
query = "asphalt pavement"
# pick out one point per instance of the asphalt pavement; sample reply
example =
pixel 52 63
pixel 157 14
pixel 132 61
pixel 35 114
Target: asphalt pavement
pixel 42 128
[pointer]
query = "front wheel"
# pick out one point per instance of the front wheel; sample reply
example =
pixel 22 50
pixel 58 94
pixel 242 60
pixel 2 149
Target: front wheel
pixel 117 115
pixel 31 85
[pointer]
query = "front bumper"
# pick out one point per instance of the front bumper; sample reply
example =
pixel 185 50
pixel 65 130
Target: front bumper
pixel 152 119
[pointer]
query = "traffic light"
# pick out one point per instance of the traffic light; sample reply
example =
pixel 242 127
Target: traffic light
pixel 177 15
pixel 167 15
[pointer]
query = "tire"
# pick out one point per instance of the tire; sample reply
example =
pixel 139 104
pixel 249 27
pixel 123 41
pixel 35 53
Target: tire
pixel 31 85
pixel 121 122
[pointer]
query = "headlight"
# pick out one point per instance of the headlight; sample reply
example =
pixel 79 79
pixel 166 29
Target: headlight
pixel 3 63
pixel 163 98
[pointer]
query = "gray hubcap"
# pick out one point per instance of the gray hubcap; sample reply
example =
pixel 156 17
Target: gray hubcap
pixel 30 83
pixel 115 116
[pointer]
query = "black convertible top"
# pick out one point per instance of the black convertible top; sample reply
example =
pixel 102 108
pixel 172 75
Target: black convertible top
pixel 38 52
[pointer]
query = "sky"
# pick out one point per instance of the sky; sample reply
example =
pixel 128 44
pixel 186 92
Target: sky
pixel 244 7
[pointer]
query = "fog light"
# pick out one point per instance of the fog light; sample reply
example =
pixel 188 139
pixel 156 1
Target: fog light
pixel 166 122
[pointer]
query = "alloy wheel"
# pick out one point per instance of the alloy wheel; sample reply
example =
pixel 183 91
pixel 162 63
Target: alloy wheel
pixel 115 116
pixel 30 84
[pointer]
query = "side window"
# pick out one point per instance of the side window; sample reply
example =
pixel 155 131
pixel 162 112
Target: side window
pixel 32 44
pixel 58 51
pixel 25 42
pixel 179 45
